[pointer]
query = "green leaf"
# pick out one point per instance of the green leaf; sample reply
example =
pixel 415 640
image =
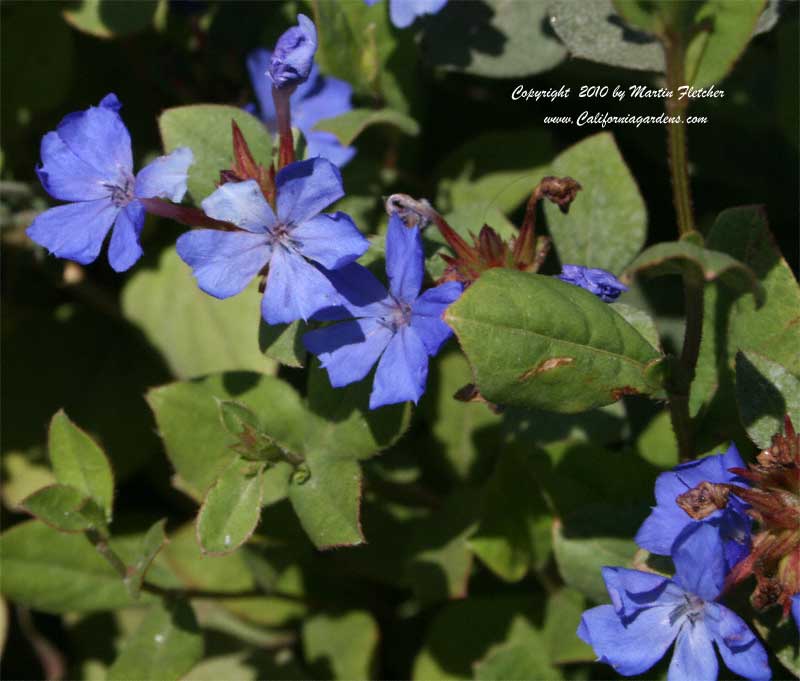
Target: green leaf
pixel 657 444
pixel 23 475
pixel 589 539
pixel 167 644
pixel 247 665
pixel 647 17
pixel 462 431
pixel 80 463
pixel 327 500
pixel 641 321
pixel 152 542
pixel 230 574
pixel 348 126
pixel 733 323
pixel 283 342
pixel 514 530
pixel 496 39
pixel 607 223
pixel 341 646
pixel 475 174
pixel 108 19
pixel 464 631
pixel 536 341
pixel 698 264
pixel 526 659
pixel 54 572
pixel 358 44
pixel 253 444
pixel 345 426
pixel 765 393
pixel 231 509
pixel 197 445
pixel 196 333
pixel 714 50
pixel 563 615
pixel 65 508
pixel 771 330
pixel 206 129
pixel 592 30
pixel 439 561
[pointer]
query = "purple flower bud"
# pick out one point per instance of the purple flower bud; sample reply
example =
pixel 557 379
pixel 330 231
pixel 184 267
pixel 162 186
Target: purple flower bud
pixel 599 282
pixel 293 57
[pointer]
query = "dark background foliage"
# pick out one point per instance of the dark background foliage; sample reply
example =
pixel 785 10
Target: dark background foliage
pixel 67 344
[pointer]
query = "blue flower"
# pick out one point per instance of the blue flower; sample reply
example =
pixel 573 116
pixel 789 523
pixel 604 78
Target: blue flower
pixel 290 63
pixel 648 612
pixel 599 282
pixel 398 328
pixel 668 521
pixel 88 161
pixel 317 98
pixel 796 611
pixel 404 12
pixel 225 262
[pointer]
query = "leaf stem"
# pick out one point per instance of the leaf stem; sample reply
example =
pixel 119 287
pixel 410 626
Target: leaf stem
pixel 674 49
pixel 105 550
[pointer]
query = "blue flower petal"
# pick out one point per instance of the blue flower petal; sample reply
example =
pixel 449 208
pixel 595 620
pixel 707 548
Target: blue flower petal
pixel 124 249
pixel 633 590
pixel 326 145
pixel 257 67
pixel 402 370
pixel 796 611
pixel 293 57
pixel 694 657
pixel 67 177
pixel 165 177
pixel 360 294
pixel 348 350
pixel 741 651
pixel 306 188
pixel 242 204
pixel 74 231
pixel 223 262
pixel 660 529
pixel 331 239
pixel 632 649
pixel 318 98
pixel 427 311
pixel 404 12
pixel 99 137
pixel 405 264
pixel 295 289
pixel 699 561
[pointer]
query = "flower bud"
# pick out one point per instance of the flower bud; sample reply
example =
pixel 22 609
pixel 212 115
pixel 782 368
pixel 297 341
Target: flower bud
pixel 293 57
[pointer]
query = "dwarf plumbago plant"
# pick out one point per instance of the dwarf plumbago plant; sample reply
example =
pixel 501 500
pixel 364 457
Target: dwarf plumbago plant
pixel 393 252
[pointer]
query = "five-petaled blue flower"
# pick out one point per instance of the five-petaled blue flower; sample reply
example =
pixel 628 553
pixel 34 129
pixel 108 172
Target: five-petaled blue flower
pixel 599 282
pixel 317 98
pixel 648 612
pixel 398 328
pixel 668 521
pixel 404 12
pixel 290 64
pixel 88 161
pixel 224 262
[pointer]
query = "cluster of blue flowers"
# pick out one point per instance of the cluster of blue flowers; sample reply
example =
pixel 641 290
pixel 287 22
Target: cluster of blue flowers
pixel 308 257
pixel 649 612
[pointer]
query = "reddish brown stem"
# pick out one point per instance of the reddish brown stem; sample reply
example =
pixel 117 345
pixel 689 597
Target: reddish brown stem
pixel 186 215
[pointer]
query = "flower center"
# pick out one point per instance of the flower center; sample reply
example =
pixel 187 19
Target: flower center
pixel 281 234
pixel 399 316
pixel 692 609
pixel 121 193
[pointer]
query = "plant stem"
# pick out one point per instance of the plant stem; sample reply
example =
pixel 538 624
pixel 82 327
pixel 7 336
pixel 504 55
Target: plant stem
pixel 105 550
pixel 283 114
pixel 676 133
